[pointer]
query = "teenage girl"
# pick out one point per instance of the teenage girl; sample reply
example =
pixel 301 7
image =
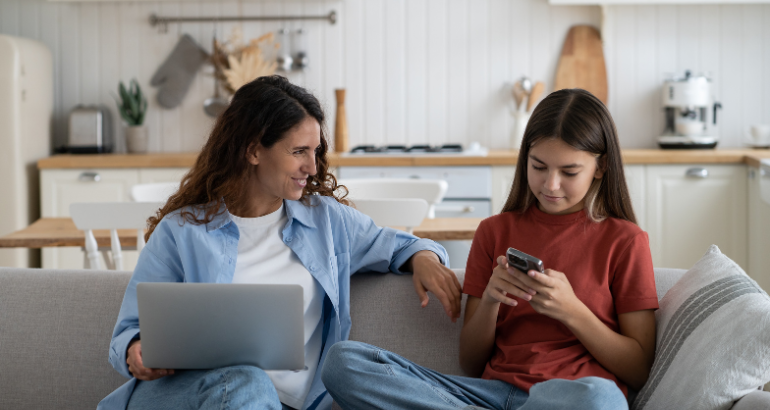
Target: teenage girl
pixel 576 336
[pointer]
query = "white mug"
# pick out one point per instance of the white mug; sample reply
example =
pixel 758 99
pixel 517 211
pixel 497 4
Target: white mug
pixel 760 132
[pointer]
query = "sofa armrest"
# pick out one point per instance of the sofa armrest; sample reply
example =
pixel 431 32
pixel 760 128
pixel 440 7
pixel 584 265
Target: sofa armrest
pixel 752 401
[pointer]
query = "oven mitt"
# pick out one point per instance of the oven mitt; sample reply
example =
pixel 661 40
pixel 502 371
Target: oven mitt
pixel 177 72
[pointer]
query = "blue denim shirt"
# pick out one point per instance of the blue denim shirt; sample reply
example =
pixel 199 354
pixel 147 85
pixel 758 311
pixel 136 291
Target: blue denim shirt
pixel 332 240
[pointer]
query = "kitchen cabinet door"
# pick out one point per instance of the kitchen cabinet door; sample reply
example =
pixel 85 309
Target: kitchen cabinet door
pixel 759 228
pixel 62 187
pixel 690 207
pixel 635 180
pixel 153 175
pixel 502 180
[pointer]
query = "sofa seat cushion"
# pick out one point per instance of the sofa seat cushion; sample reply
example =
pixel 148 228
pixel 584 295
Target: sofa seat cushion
pixel 55 330
pixel 713 339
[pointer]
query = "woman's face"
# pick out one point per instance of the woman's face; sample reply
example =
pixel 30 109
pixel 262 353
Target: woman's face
pixel 559 175
pixel 283 169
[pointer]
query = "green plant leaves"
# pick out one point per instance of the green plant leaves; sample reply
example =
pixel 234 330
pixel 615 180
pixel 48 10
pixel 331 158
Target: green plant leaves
pixel 132 104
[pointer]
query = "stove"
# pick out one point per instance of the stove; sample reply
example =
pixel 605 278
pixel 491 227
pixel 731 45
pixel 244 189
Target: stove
pixel 445 149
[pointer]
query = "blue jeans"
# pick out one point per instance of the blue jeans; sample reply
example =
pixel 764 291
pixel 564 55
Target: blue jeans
pixel 361 376
pixel 234 387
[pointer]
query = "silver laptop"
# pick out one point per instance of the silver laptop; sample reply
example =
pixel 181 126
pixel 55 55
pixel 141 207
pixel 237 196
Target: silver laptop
pixel 211 325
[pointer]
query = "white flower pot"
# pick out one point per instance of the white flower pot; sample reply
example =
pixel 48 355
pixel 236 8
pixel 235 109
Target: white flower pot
pixel 136 139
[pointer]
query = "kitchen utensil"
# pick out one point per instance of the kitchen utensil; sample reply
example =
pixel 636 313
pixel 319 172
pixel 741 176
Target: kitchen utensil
pixel 581 64
pixel 520 119
pixel 518 95
pixel 284 58
pixel 299 47
pixel 341 142
pixel 534 96
pixel 526 85
pixel 215 105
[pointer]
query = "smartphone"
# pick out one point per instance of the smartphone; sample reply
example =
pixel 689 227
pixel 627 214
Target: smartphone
pixel 522 261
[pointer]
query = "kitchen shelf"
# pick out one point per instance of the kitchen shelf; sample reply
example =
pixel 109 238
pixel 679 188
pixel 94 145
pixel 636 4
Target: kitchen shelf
pixel 649 2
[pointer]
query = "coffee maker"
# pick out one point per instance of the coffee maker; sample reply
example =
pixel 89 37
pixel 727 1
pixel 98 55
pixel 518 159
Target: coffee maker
pixel 691 113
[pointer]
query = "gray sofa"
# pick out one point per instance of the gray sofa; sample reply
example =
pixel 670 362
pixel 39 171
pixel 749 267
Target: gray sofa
pixel 55 328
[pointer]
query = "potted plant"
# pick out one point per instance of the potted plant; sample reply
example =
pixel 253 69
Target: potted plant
pixel 132 106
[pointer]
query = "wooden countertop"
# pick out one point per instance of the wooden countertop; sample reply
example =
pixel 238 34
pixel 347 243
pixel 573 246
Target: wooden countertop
pixel 495 157
pixel 51 232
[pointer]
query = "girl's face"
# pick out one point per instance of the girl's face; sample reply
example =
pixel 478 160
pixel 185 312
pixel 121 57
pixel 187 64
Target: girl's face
pixel 559 175
pixel 283 169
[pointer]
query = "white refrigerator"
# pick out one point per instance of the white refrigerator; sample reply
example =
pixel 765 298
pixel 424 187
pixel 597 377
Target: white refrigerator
pixel 26 114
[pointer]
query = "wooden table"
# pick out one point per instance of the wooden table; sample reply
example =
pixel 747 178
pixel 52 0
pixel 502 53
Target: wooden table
pixel 51 232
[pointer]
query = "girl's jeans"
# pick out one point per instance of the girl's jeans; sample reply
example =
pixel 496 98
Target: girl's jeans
pixel 362 376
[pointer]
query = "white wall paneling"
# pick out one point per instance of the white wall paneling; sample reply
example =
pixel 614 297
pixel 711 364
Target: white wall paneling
pixel 415 71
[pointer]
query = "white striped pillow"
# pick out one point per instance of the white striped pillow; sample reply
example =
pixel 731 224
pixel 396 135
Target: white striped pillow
pixel 713 340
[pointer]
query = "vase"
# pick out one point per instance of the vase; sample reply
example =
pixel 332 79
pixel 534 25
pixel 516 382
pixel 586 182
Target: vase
pixel 136 139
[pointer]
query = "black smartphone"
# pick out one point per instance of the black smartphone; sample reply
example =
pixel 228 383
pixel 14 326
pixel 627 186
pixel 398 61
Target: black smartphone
pixel 523 261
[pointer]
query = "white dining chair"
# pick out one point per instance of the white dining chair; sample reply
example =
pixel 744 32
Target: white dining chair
pixel 430 190
pixel 153 192
pixel 406 212
pixel 113 216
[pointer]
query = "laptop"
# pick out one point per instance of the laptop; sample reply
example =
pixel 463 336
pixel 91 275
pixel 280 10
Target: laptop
pixel 212 325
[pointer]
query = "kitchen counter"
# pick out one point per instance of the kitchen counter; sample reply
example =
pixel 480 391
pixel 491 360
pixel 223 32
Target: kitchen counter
pixel 750 157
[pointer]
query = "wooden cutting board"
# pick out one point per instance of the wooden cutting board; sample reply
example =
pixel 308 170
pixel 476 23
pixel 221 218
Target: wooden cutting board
pixel 581 64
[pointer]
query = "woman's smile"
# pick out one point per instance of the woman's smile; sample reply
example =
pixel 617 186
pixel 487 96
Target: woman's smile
pixel 301 182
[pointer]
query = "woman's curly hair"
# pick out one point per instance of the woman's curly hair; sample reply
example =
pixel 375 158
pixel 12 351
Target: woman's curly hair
pixel 261 113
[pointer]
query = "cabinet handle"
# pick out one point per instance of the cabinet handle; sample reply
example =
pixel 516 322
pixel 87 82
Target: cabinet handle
pixel 457 208
pixel 697 173
pixel 89 176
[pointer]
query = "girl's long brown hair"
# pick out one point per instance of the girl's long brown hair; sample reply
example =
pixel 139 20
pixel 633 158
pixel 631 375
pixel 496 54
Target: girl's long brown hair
pixel 583 122
pixel 261 112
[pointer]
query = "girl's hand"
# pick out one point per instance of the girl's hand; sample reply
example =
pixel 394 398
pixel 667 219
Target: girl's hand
pixel 503 284
pixel 554 295
pixel 137 369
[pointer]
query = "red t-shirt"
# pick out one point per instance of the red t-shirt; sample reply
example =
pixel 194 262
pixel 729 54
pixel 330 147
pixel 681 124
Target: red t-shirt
pixel 608 265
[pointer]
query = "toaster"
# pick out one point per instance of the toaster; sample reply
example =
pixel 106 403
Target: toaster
pixel 90 130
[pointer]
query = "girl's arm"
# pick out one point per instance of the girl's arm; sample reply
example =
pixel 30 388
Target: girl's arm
pixel 477 338
pixel 628 354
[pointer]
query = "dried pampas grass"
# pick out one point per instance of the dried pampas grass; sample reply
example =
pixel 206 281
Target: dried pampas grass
pixel 236 65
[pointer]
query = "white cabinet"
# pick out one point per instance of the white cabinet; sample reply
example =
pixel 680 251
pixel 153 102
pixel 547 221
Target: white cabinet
pixel 635 180
pixel 61 187
pixel 153 175
pixel 502 181
pixel 759 230
pixel 690 207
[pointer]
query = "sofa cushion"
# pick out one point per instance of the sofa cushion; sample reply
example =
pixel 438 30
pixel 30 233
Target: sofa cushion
pixel 55 330
pixel 386 312
pixel 713 339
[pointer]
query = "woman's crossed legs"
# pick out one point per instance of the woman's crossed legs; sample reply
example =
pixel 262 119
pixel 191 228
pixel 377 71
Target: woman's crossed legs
pixel 234 387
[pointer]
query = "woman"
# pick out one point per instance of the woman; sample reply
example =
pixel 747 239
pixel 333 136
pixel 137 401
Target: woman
pixel 259 206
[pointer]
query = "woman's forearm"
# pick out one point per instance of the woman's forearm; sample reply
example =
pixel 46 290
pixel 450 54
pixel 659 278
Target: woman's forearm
pixel 623 356
pixel 477 338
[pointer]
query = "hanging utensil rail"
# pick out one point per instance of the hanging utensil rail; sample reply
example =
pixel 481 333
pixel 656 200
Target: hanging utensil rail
pixel 163 22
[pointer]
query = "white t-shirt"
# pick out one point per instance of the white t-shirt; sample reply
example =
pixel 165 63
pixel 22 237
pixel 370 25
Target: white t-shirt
pixel 264 258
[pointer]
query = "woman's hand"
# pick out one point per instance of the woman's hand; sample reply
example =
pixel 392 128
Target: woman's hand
pixel 429 274
pixel 554 296
pixel 504 284
pixel 137 369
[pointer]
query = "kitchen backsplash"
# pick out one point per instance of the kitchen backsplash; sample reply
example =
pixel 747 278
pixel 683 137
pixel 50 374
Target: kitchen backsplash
pixel 415 71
